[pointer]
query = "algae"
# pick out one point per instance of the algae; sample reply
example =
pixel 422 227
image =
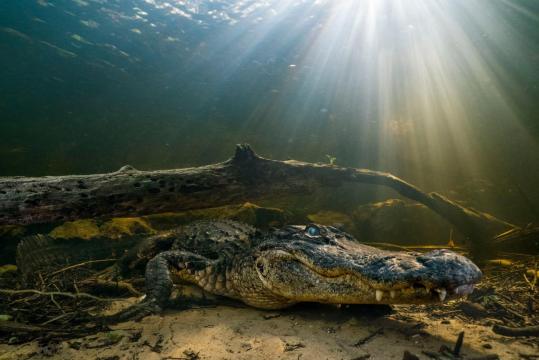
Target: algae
pixel 248 213
pixel 82 229
pixel 12 230
pixel 7 269
pixel 117 228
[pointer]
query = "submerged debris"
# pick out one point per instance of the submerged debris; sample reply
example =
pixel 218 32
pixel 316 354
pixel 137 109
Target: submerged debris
pixel 520 331
pixel 504 296
pixel 367 338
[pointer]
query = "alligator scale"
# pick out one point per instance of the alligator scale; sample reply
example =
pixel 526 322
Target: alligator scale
pixel 281 267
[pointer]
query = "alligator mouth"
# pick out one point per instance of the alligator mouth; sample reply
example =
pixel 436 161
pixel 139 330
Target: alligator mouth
pixel 420 290
pixel 296 276
pixel 400 290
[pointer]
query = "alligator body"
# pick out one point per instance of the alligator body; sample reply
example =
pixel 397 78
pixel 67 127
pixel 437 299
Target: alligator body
pixel 281 267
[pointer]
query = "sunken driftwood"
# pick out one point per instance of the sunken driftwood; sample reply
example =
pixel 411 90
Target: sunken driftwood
pixel 522 331
pixel 244 177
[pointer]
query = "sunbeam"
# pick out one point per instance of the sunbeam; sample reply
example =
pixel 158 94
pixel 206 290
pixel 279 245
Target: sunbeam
pixel 412 86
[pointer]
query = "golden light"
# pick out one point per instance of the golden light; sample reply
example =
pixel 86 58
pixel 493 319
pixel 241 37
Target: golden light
pixel 421 88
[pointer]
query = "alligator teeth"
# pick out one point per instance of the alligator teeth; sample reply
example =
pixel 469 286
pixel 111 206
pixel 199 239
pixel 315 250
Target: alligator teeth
pixel 392 294
pixel 379 295
pixel 441 293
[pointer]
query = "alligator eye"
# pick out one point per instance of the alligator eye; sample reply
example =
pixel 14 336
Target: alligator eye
pixel 312 230
pixel 260 268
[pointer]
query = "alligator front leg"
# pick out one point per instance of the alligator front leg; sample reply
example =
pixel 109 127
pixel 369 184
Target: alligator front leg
pixel 159 282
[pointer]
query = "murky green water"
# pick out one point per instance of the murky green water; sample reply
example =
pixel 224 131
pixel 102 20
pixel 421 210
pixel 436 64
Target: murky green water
pixel 441 93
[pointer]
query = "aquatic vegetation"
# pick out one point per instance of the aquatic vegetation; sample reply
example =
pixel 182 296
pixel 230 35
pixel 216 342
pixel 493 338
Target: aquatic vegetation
pixel 247 213
pixel 332 160
pixel 81 229
pixel 113 229
pixel 119 227
pixel 116 228
pixel 12 230
pixel 5 269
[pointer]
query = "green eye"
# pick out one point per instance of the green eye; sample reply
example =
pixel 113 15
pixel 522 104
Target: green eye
pixel 312 230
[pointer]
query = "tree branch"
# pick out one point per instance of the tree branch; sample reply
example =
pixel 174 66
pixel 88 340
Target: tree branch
pixel 244 177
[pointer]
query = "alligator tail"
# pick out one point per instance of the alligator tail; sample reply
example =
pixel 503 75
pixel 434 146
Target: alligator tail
pixel 40 252
pixel 45 254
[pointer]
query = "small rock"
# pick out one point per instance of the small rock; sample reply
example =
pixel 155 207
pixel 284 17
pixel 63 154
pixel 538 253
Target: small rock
pixel 191 355
pixel 75 344
pixel 114 336
pixel 473 310
pixel 446 322
pixel 487 346
pixel 292 347
pixel 49 348
pixel 135 336
pixel 271 315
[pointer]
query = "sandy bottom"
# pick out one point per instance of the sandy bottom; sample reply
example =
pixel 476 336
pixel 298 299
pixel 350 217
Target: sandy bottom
pixel 302 332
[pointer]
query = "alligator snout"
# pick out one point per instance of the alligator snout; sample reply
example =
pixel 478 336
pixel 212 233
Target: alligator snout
pixel 344 271
pixel 438 274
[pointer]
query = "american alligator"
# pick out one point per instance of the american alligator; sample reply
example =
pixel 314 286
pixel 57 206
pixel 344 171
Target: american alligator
pixel 281 267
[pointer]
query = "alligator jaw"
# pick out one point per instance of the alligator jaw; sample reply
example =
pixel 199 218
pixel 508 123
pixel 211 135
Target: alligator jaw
pixel 419 293
pixel 345 272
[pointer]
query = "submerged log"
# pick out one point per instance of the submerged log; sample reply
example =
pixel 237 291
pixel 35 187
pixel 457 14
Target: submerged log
pixel 244 177
pixel 521 331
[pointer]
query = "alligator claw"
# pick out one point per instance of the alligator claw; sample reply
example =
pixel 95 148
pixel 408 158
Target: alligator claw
pixel 135 312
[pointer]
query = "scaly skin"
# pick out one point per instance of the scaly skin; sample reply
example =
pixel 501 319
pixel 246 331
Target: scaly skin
pixel 277 269
pixel 311 263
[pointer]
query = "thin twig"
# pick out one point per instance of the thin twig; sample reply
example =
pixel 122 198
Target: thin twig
pixel 56 318
pixel 59 293
pixel 55 303
pixel 368 337
pixel 81 264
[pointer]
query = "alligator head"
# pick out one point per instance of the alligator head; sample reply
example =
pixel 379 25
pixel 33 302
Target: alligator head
pixel 323 264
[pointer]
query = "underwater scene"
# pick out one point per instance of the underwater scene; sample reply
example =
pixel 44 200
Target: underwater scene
pixel 269 179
